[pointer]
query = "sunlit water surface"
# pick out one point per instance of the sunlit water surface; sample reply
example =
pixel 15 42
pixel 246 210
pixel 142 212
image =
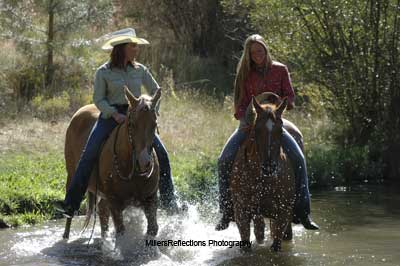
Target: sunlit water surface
pixel 359 226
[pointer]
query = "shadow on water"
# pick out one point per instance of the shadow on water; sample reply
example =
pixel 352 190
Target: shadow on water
pixel 360 226
pixel 261 255
pixel 97 252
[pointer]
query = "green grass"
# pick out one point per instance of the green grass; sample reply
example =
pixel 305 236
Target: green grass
pixel 30 183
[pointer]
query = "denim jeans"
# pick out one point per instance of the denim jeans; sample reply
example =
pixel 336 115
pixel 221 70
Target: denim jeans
pixel 225 164
pixel 296 157
pixel 100 131
pixel 166 186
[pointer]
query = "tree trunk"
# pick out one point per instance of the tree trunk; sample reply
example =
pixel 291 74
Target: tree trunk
pixel 50 38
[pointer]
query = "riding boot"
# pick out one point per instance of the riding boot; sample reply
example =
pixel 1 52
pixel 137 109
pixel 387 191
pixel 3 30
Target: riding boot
pixel 65 209
pixel 301 215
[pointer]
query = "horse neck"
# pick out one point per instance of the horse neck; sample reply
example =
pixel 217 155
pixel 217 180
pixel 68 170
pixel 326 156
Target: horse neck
pixel 122 146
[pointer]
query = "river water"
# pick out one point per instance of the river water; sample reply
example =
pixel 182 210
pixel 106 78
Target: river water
pixel 359 226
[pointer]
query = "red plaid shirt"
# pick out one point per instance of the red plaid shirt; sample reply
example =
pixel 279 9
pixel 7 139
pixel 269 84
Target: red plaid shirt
pixel 276 80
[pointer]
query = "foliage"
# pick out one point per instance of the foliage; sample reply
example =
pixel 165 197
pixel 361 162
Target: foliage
pixel 30 183
pixel 53 107
pixel 44 31
pixel 351 49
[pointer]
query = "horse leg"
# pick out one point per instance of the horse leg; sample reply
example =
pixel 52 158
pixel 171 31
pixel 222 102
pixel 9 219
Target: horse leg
pixel 278 229
pixel 288 235
pixel 104 215
pixel 243 218
pixel 116 213
pixel 275 232
pixel 150 211
pixel 67 228
pixel 259 228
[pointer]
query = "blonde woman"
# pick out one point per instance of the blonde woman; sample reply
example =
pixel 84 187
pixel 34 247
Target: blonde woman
pixel 258 73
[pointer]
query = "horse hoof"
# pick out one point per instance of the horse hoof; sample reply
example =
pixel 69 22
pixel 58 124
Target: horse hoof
pixel 245 248
pixel 276 246
pixel 260 241
pixel 288 236
pixel 152 231
pixel 173 208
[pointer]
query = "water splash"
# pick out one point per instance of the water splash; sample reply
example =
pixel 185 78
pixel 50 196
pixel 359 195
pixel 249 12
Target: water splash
pixel 348 237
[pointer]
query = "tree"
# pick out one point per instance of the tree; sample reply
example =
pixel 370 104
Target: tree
pixel 350 48
pixel 41 28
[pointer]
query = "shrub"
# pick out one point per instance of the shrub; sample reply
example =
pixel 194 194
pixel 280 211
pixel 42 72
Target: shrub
pixel 51 108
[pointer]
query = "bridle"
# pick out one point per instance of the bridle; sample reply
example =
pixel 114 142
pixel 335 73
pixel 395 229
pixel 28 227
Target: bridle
pixel 116 171
pixel 268 167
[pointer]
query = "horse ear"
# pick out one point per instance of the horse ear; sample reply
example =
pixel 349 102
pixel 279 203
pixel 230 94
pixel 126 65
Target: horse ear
pixel 250 115
pixel 281 107
pixel 256 105
pixel 156 98
pixel 131 98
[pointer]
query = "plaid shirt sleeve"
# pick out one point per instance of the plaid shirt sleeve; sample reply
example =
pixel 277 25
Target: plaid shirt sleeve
pixel 287 89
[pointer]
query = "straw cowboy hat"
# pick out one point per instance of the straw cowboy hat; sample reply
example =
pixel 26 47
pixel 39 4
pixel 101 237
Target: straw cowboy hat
pixel 127 35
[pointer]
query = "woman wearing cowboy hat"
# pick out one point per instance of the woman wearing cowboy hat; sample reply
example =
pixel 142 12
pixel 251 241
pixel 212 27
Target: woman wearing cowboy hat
pixel 109 97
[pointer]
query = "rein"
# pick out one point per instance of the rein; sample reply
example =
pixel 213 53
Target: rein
pixel 116 170
pixel 271 169
pixel 115 165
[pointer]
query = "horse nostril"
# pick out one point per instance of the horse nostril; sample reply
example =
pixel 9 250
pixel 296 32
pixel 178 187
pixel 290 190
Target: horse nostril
pixel 266 171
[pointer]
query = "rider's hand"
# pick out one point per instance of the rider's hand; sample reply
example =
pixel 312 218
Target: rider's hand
pixel 290 106
pixel 120 118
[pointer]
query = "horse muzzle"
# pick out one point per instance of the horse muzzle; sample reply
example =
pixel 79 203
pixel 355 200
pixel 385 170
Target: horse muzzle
pixel 148 171
pixel 269 170
pixel 146 164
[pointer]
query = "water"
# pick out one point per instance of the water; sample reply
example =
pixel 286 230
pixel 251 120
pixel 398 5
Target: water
pixel 359 226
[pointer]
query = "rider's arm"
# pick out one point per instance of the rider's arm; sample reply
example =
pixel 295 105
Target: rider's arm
pixel 287 89
pixel 100 95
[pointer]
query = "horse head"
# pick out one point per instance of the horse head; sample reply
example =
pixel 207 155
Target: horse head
pixel 141 126
pixel 266 119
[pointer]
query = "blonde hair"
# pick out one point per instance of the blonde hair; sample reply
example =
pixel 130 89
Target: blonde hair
pixel 244 66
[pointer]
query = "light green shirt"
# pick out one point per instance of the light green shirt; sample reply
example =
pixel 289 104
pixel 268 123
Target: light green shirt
pixel 109 85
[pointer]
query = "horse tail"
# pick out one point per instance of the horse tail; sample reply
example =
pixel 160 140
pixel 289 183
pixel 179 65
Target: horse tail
pixel 91 201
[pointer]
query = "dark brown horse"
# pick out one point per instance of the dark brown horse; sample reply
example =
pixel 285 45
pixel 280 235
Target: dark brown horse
pixel 127 172
pixel 262 182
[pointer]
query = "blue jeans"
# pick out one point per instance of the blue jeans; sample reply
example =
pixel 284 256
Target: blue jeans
pixel 296 157
pixel 100 131
pixel 166 186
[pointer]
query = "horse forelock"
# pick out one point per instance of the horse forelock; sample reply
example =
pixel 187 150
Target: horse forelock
pixel 143 101
pixel 269 110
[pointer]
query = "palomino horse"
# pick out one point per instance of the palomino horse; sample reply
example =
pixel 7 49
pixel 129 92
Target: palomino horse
pixel 262 183
pixel 127 172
